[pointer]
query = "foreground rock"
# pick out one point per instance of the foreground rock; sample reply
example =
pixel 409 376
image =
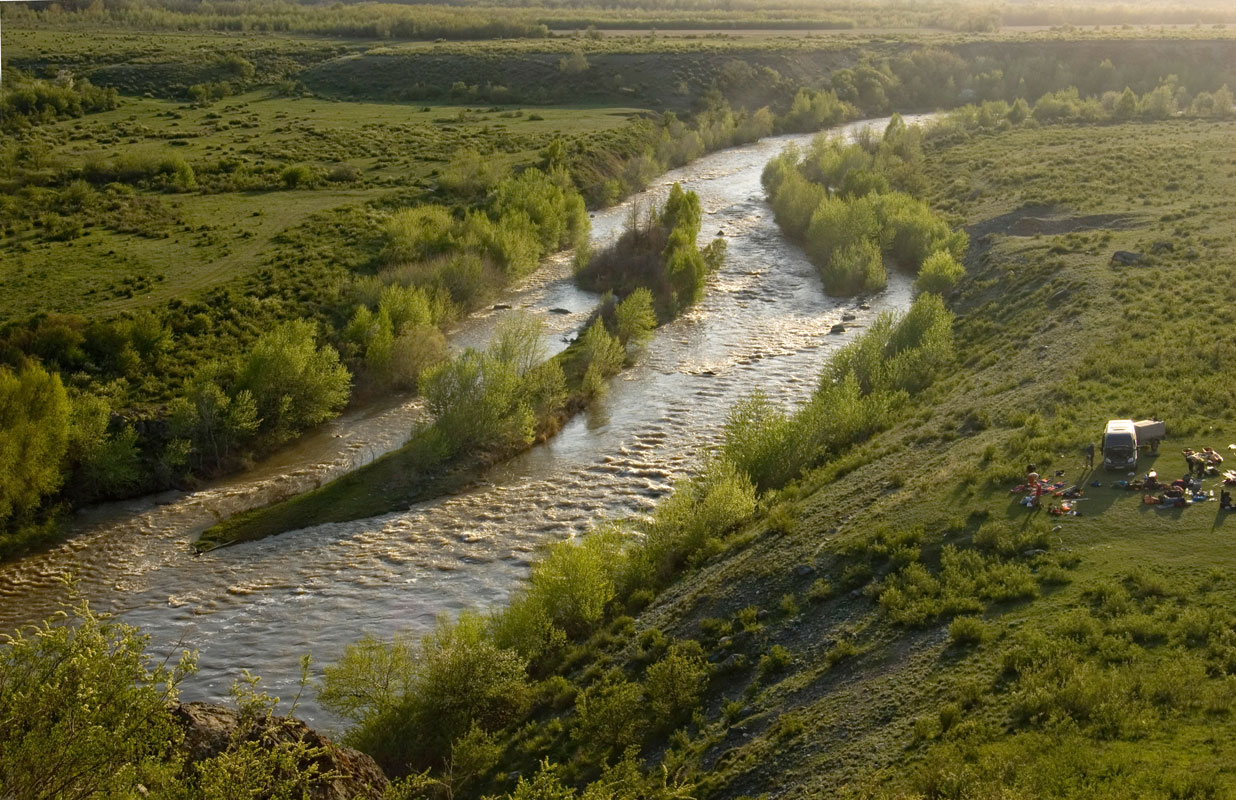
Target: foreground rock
pixel 210 730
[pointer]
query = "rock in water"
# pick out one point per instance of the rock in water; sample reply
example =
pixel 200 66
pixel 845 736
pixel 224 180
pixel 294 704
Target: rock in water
pixel 210 730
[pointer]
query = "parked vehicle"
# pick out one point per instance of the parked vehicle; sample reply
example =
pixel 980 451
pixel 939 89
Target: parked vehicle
pixel 1120 445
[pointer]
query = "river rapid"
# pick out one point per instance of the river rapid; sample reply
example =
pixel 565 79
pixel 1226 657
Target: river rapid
pixel 764 323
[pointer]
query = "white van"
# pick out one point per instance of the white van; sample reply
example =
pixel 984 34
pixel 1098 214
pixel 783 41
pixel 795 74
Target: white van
pixel 1120 445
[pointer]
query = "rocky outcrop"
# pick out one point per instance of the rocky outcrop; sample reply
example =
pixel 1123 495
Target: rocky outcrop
pixel 1127 259
pixel 210 730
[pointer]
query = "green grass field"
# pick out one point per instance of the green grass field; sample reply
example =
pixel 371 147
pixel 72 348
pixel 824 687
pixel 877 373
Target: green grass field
pixel 392 150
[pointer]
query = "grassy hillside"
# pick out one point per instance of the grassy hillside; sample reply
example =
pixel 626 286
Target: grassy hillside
pixel 1110 676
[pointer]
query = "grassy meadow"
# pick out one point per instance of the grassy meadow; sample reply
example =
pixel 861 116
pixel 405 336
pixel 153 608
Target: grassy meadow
pixel 381 153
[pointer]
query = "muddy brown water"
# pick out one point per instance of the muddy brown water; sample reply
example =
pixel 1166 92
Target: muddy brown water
pixel 764 323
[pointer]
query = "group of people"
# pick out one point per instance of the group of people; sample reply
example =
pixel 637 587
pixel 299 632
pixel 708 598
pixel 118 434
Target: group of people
pixel 1200 461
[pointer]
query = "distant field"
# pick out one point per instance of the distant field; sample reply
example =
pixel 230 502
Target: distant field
pixel 392 150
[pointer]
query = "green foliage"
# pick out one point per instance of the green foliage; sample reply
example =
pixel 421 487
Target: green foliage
pixel 898 352
pixel 477 403
pixel 853 205
pixel 84 712
pixel 856 267
pixel 298 176
pixel 295 384
pixel 417 233
pixel 104 463
pixel 371 678
pixel 215 423
pixel 34 415
pixel 812 110
pixel 609 714
pixel 635 319
pixel 939 273
pixel 676 682
pixel 27 101
pixel 600 356
pixel 758 439
pixel 965 631
pixel 413 704
pixel 495 400
pixel 699 511
pixel 469 175
pixel 575 581
pixel 658 252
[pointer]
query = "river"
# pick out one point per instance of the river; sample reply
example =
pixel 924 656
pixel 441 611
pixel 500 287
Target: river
pixel 764 323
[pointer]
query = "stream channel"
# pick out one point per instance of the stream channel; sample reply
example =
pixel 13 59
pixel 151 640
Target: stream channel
pixel 764 323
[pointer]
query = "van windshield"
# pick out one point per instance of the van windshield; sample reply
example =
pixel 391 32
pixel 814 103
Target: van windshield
pixel 1118 443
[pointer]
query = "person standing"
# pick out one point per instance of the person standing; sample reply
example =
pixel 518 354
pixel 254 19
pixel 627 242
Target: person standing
pixel 1089 455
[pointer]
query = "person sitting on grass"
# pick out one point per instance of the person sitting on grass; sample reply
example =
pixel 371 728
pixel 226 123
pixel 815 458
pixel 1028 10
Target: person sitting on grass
pixel 1225 499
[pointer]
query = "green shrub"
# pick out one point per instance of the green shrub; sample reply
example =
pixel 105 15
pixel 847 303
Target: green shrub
pixel 676 682
pixel 610 715
pixel 700 510
pixel 635 318
pixel 789 605
pixel 965 631
pixel 34 415
pixel 85 713
pixel 455 678
pixel 819 591
pixel 575 581
pixel 843 649
pixel 854 267
pixel 939 273
pixel 414 234
pixel 775 660
pixel 477 402
pixel 760 442
pixel 297 176
pixel 295 384
pixel 469 175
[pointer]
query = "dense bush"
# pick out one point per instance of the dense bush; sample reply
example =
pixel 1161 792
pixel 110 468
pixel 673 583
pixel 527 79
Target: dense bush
pixel 691 521
pixel 939 273
pixel 659 252
pixel 295 384
pixel 858 391
pixel 34 416
pixel 852 207
pixel 28 101
pixel 86 712
pixel 414 702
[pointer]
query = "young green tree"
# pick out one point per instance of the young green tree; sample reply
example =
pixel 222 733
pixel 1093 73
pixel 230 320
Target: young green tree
pixel 34 421
pixel 295 384
pixel 635 318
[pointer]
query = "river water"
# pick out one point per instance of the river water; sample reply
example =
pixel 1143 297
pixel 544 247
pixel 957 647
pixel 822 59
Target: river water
pixel 763 323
